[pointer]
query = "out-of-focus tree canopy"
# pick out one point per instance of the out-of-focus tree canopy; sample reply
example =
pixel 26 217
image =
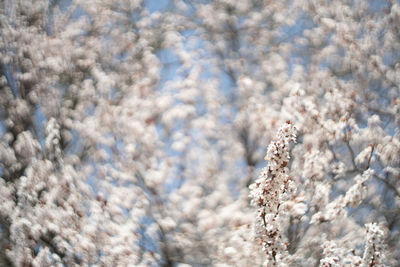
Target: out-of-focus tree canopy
pixel 133 133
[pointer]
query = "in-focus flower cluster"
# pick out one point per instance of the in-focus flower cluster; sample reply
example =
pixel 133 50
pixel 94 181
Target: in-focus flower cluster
pixel 375 246
pixel 270 191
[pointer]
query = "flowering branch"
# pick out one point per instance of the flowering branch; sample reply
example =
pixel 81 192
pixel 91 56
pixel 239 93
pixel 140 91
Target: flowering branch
pixel 270 191
pixel 374 247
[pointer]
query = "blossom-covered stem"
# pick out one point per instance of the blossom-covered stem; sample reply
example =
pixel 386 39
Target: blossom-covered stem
pixel 374 248
pixel 270 191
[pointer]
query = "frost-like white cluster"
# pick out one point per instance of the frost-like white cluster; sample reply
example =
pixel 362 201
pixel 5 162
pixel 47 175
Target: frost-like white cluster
pixel 374 252
pixel 269 193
